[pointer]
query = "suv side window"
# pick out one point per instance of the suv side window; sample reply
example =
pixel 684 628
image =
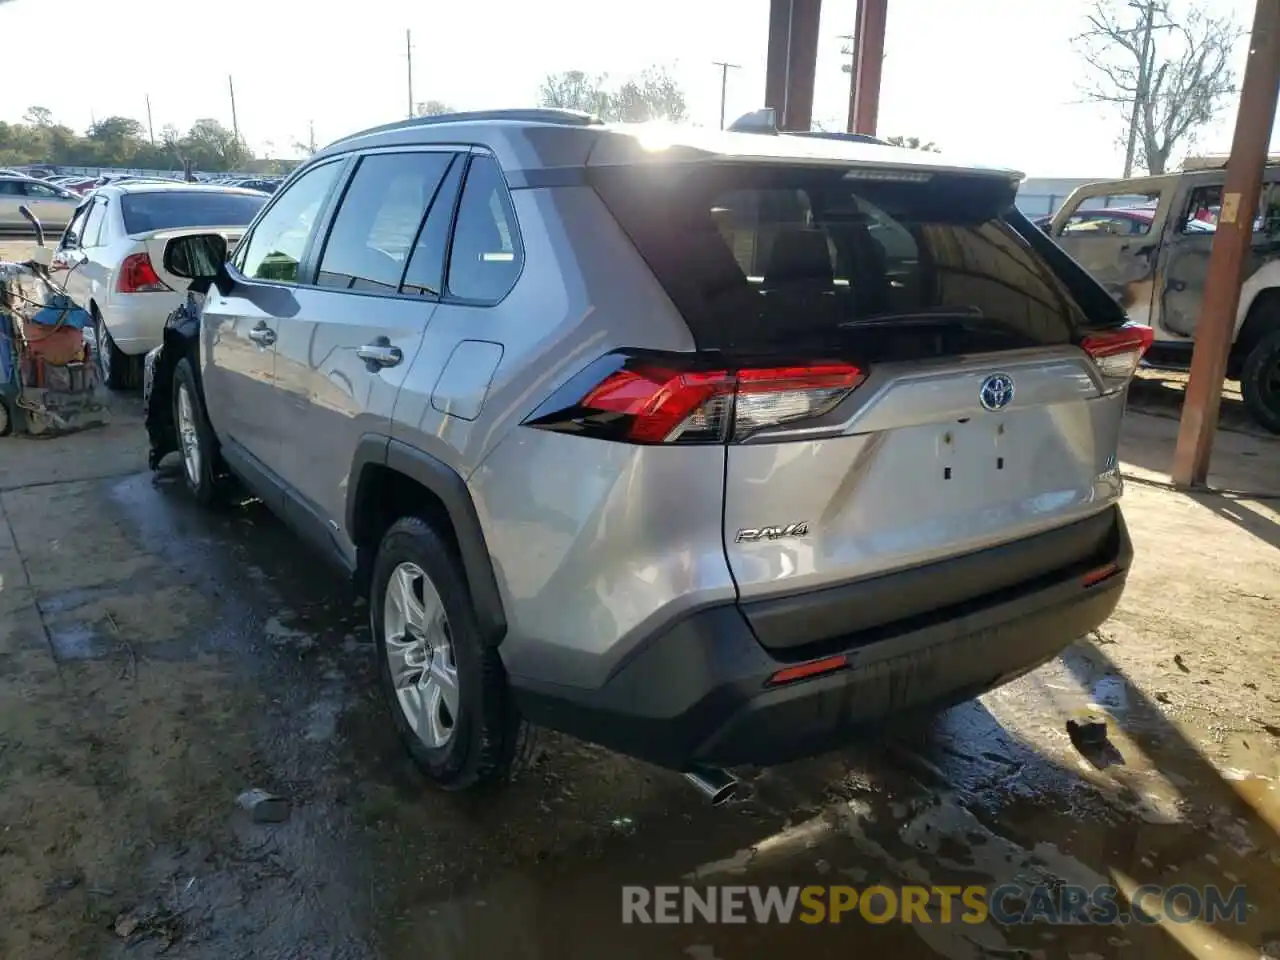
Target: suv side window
pixel 486 255
pixel 1204 206
pixel 275 248
pixel 378 219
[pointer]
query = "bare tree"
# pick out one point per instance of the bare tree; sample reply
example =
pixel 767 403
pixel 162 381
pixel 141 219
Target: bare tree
pixel 575 90
pixel 652 95
pixel 432 108
pixel 1167 71
pixel 913 143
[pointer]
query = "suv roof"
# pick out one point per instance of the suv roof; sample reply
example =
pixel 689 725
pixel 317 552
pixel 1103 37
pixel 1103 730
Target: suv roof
pixel 544 139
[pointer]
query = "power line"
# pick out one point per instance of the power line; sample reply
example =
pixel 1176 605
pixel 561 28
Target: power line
pixel 724 83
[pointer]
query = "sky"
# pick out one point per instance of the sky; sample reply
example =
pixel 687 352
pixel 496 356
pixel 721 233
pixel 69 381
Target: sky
pixel 995 81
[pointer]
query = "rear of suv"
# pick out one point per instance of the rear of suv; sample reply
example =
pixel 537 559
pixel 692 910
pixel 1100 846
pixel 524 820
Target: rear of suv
pixel 712 448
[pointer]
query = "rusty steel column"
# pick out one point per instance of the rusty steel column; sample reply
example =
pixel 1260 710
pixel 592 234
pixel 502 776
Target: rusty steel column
pixel 792 61
pixel 868 58
pixel 1215 327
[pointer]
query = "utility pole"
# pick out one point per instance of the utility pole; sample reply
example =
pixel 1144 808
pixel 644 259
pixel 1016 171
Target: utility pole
pixel 1215 327
pixel 151 131
pixel 311 142
pixel 724 83
pixel 235 124
pixel 850 49
pixel 408 53
pixel 1141 92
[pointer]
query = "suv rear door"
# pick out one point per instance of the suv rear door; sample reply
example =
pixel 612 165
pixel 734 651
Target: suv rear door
pixel 910 379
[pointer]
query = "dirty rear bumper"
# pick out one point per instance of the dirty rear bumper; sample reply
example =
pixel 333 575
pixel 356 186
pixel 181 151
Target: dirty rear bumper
pixel 699 692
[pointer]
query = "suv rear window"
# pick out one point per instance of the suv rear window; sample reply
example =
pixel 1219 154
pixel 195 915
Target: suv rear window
pixel 773 257
pixel 168 210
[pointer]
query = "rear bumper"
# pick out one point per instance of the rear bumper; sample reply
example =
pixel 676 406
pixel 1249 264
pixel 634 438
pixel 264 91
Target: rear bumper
pixel 700 691
pixel 136 320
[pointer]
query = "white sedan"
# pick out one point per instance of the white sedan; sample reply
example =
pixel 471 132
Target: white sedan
pixel 52 205
pixel 111 260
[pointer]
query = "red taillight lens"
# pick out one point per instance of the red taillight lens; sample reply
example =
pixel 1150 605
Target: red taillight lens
pixel 664 404
pixel 1118 352
pixel 646 401
pixel 137 275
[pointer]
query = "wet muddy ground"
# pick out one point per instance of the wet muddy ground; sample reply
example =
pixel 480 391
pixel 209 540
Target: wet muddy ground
pixel 156 660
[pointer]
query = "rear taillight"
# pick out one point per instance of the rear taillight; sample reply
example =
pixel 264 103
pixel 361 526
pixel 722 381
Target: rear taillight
pixel 137 275
pixel 673 400
pixel 1118 352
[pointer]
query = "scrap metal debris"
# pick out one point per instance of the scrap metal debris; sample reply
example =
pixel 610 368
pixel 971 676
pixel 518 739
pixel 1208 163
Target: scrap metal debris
pixel 263 806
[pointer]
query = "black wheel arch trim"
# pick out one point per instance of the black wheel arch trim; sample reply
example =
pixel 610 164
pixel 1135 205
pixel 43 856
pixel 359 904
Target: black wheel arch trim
pixel 446 484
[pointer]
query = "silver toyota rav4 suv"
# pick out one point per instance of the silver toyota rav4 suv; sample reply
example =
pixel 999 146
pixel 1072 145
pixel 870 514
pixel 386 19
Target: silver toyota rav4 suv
pixel 712 448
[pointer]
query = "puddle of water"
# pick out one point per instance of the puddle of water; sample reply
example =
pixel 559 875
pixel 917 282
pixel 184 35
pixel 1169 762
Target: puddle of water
pixel 78 641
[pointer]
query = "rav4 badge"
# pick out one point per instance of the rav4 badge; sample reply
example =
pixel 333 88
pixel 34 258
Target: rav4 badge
pixel 756 534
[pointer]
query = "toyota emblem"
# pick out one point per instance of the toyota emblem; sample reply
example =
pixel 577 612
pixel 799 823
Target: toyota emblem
pixel 996 391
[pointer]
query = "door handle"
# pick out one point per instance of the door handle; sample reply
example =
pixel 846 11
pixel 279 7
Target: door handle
pixel 262 336
pixel 379 354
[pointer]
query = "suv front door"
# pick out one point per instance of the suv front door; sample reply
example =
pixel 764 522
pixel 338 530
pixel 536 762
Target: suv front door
pixel 1120 252
pixel 239 327
pixel 372 284
pixel 1188 243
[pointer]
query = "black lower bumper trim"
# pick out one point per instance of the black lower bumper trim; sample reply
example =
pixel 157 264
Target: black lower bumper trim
pixel 697 692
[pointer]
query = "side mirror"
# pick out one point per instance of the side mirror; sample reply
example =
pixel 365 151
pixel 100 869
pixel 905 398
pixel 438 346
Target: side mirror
pixel 200 256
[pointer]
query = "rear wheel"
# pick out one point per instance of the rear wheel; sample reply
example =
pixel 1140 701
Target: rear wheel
pixel 114 366
pixel 445 687
pixel 196 442
pixel 1260 382
pixel 6 418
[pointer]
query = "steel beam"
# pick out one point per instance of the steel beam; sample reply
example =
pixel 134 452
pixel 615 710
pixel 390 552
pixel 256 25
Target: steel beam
pixel 792 61
pixel 1215 328
pixel 868 58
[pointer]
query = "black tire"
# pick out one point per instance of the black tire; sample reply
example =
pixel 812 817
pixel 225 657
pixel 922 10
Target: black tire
pixel 489 740
pixel 6 418
pixel 204 484
pixel 1260 382
pixel 114 366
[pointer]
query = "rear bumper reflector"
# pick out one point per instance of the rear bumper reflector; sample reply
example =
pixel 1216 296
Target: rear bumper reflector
pixel 813 668
pixel 1100 574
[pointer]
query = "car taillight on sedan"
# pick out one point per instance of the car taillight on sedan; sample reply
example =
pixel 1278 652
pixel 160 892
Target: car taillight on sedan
pixel 137 275
pixel 676 399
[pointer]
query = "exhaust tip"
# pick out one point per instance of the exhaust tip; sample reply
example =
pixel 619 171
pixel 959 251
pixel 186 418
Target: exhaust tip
pixel 717 785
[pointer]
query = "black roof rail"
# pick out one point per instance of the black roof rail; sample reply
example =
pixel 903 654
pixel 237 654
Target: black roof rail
pixel 553 115
pixel 839 135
